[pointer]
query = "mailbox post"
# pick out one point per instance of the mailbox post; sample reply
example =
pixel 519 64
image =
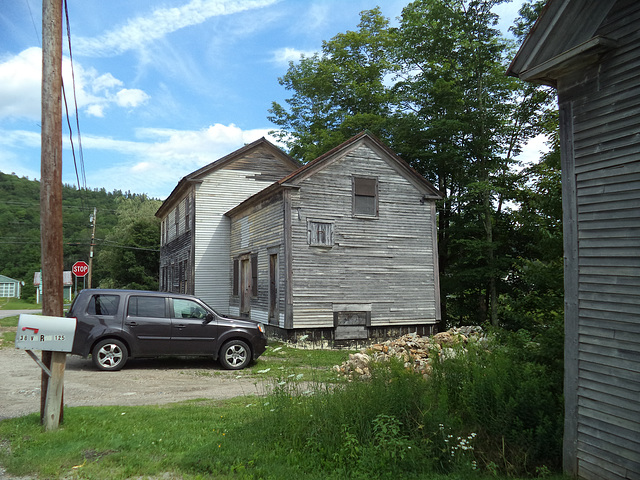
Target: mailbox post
pixel 49 334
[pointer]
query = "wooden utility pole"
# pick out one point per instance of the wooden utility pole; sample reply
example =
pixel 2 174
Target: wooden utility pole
pixel 51 203
pixel 93 237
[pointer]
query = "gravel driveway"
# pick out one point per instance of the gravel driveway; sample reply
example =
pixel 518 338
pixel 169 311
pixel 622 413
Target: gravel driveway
pixel 141 382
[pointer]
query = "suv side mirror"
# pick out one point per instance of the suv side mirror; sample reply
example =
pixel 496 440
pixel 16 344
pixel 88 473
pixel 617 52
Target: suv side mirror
pixel 209 318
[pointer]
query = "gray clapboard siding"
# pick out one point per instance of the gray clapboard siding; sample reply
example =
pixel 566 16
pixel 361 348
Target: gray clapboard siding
pixel 266 236
pixel 385 266
pixel 386 256
pixel 219 187
pixel 600 127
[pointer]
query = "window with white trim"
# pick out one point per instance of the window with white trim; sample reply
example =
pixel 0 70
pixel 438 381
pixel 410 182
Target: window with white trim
pixel 365 197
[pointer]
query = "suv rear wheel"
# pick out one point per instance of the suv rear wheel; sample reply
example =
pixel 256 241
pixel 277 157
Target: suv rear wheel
pixel 109 354
pixel 234 355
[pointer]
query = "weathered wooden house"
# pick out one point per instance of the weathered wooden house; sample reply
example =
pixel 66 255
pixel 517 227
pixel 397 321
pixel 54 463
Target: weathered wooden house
pixel 194 243
pixel 343 247
pixel 589 50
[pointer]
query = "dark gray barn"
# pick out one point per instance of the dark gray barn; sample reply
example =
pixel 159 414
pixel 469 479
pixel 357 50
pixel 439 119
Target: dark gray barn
pixel 590 51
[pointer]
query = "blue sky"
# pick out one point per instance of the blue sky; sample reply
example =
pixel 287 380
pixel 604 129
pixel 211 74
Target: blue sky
pixel 163 87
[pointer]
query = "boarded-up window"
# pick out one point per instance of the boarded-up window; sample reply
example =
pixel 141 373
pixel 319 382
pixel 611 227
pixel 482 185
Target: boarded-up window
pixel 236 276
pixel 365 196
pixel 177 220
pixel 320 233
pixel 187 214
pixel 254 275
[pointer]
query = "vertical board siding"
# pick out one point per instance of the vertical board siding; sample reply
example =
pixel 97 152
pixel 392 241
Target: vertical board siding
pixel 605 101
pixel 386 262
pixel 176 247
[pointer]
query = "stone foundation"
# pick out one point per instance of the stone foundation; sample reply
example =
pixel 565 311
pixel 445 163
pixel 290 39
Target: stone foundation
pixel 326 337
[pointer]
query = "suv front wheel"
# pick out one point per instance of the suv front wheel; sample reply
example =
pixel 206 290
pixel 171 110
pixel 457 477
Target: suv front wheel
pixel 109 354
pixel 235 354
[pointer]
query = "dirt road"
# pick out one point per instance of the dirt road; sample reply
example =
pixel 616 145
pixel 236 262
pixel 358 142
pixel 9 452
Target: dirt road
pixel 141 382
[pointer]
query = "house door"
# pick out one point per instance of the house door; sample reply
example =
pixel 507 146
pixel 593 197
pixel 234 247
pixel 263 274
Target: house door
pixel 273 289
pixel 245 287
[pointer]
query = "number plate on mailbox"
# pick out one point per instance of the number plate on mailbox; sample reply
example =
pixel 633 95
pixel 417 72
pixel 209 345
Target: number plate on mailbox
pixel 37 332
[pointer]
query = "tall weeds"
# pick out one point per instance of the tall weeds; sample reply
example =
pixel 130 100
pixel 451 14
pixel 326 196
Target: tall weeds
pixel 493 410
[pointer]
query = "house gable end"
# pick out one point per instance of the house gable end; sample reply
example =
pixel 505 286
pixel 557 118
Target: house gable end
pixel 262 157
pixel 373 144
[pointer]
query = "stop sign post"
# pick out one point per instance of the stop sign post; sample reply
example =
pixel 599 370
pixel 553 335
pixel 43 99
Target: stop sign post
pixel 80 269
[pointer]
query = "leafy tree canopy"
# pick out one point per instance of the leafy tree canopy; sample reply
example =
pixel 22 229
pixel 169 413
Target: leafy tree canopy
pixel 434 88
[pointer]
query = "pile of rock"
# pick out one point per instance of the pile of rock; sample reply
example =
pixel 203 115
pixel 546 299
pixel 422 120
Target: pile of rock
pixel 415 351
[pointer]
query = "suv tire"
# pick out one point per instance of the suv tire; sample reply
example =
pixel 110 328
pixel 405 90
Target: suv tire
pixel 235 355
pixel 109 354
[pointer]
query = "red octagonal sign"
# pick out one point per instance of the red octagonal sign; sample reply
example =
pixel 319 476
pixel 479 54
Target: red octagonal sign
pixel 80 269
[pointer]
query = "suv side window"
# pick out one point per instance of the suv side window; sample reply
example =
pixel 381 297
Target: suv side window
pixel 103 305
pixel 140 306
pixel 187 309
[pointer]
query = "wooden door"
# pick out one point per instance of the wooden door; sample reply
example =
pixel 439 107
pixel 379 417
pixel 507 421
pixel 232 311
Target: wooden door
pixel 273 289
pixel 245 287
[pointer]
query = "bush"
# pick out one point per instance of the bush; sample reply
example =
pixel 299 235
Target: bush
pixel 510 398
pixel 496 409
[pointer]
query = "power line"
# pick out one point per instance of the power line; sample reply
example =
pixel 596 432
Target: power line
pixel 81 184
pixel 34 23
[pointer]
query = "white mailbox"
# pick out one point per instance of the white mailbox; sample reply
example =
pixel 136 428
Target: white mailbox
pixel 38 332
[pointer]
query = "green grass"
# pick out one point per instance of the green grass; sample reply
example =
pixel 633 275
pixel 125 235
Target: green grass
pixel 191 440
pixel 8 338
pixel 394 425
pixel 17 304
pixel 9 321
pixel 282 361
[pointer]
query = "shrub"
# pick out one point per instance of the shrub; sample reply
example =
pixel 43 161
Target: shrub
pixel 496 409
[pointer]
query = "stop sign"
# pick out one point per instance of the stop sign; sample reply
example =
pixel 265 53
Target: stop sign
pixel 80 269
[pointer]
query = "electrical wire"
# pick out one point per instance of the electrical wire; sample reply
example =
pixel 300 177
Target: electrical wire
pixel 34 23
pixel 82 184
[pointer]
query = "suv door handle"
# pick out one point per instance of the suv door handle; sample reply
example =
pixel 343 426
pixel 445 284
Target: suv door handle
pixel 131 324
pixel 180 326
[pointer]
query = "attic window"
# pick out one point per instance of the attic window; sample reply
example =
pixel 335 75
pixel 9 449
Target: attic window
pixel 320 234
pixel 365 197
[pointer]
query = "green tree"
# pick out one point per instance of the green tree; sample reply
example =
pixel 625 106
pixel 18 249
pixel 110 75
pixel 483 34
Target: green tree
pixel 468 122
pixel 129 254
pixel 339 92
pixel 435 89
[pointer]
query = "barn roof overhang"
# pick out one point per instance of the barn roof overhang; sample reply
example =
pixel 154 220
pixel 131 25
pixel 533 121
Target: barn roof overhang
pixel 562 40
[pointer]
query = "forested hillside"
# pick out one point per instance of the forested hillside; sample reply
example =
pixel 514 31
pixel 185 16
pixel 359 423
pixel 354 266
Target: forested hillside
pixel 126 239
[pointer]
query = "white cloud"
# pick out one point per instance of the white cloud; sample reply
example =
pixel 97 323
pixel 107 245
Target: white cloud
pixel 105 82
pixel 19 138
pixel 533 150
pixel 283 56
pixel 316 17
pixel 141 31
pixel 159 158
pixel 131 97
pixel 95 110
pixel 20 86
pixel 20 83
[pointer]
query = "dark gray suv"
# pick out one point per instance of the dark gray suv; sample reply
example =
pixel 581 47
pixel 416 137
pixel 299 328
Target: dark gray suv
pixel 115 325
